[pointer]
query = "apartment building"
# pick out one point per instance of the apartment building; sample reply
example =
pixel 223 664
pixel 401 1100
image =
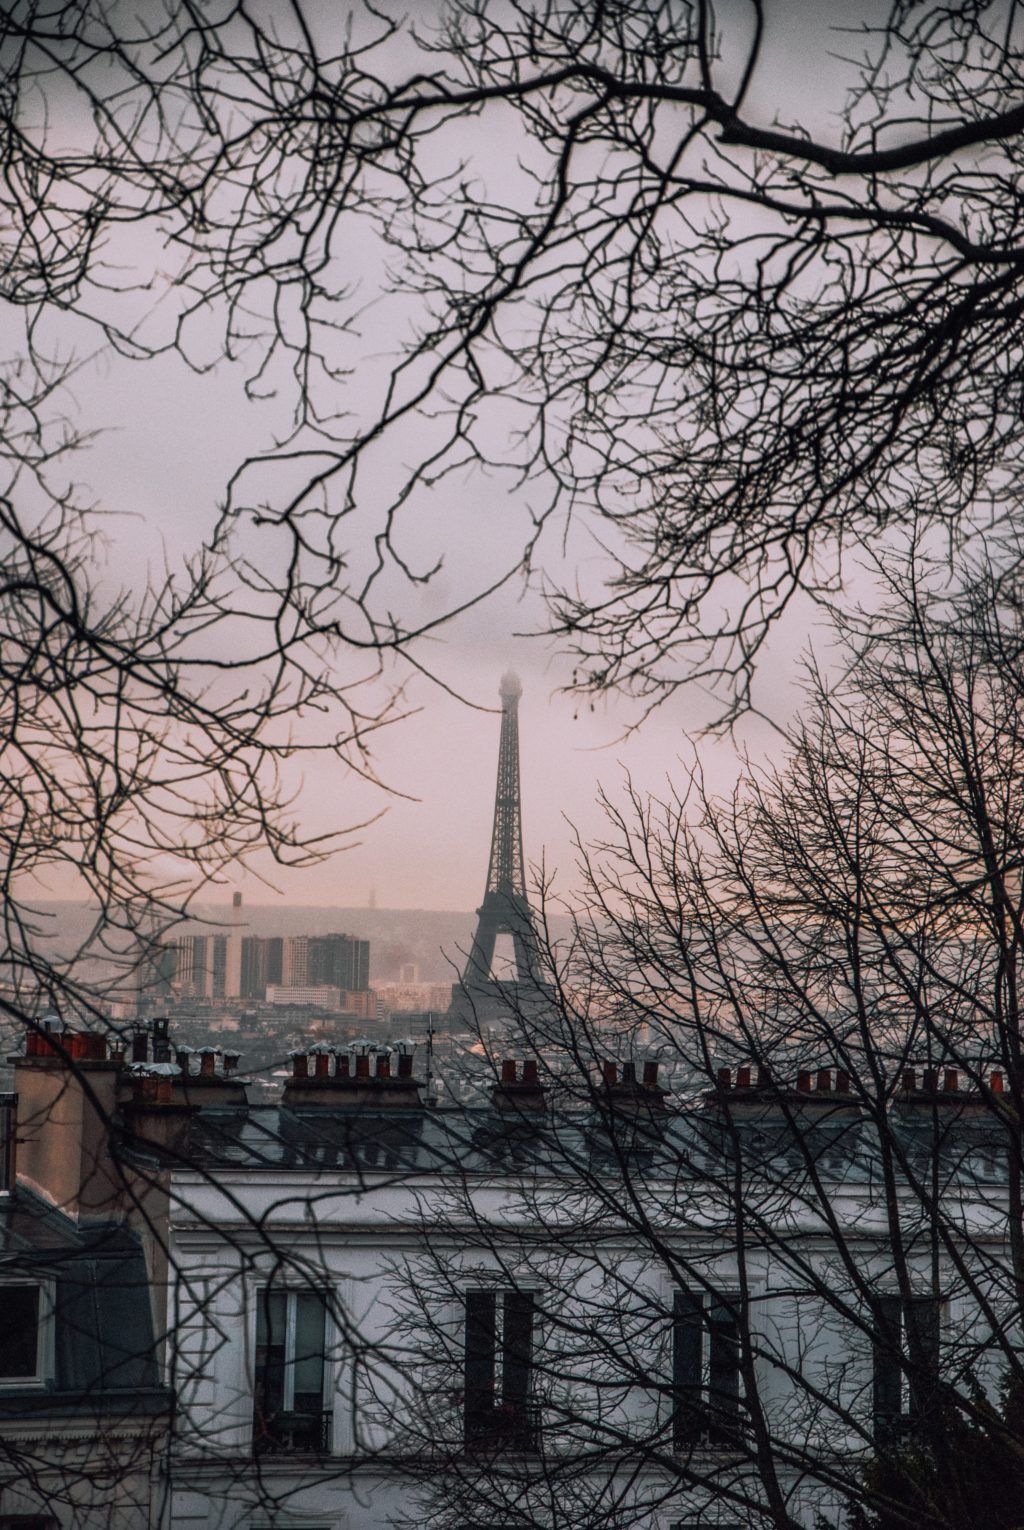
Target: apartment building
pixel 374 1313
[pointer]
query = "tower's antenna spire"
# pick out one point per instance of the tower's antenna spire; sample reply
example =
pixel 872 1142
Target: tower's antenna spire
pixel 504 910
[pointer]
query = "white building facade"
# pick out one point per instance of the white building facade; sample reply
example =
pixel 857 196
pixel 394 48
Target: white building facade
pixel 586 1306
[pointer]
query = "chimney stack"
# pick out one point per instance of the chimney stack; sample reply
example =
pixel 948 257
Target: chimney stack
pixel 333 1083
pixel 514 1094
pixel 631 1096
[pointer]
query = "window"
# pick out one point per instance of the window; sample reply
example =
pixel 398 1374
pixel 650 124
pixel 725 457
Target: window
pixel 291 1372
pixel 498 1377
pixel 906 1361
pixel 23 1323
pixel 705 1369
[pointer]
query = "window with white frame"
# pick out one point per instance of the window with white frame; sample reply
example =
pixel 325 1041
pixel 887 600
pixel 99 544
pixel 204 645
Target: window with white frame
pixel 290 1405
pixel 26 1316
pixel 705 1368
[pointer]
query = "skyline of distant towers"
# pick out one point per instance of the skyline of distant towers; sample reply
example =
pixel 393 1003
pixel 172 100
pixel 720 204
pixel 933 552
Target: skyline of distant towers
pixel 228 964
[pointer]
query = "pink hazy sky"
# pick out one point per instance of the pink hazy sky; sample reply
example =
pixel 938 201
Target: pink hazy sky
pixel 170 437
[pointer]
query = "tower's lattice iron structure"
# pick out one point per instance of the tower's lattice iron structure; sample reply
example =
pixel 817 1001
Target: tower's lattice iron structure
pixel 505 910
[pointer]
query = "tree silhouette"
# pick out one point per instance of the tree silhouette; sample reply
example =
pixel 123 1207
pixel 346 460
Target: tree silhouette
pixel 609 258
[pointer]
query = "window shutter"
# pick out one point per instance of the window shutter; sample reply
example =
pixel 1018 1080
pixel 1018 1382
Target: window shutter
pixel 479 1359
pixel 687 1350
pixel 887 1369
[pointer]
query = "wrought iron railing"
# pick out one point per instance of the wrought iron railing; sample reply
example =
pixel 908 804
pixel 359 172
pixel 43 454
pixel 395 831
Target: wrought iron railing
pixel 292 1433
pixel 506 1427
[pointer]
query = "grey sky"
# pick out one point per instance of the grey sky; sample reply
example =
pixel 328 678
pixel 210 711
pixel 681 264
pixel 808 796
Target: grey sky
pixel 170 439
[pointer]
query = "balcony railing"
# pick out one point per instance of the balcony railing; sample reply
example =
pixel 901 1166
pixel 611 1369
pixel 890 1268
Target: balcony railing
pixel 506 1427
pixel 697 1426
pixel 282 1434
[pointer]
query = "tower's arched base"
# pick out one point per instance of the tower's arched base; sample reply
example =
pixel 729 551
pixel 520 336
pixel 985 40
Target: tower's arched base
pixel 488 1003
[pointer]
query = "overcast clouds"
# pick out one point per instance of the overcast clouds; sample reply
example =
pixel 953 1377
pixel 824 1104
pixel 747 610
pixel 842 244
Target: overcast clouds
pixel 170 439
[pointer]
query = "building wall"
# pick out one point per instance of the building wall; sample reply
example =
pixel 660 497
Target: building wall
pixel 85 1473
pixel 374 1247
pixel 306 994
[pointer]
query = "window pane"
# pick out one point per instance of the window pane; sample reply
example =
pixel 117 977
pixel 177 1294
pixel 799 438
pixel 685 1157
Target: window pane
pixel 310 1339
pixel 270 1319
pixel 921 1322
pixel 517 1348
pixel 723 1358
pixel 19 1330
pixel 271 1313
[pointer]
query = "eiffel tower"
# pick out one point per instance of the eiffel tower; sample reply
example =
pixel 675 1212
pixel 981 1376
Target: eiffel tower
pixel 504 911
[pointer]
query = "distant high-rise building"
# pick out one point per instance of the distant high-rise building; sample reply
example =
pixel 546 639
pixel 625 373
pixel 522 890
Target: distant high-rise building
pixel 210 966
pixel 163 972
pixel 218 948
pixel 274 958
pixel 200 966
pixel 295 961
pixel 190 966
pixel 252 978
pixel 339 960
pixel 233 967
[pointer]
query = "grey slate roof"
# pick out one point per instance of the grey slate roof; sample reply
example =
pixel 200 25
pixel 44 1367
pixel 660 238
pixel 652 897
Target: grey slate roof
pixel 103 1340
pixel 840 1145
